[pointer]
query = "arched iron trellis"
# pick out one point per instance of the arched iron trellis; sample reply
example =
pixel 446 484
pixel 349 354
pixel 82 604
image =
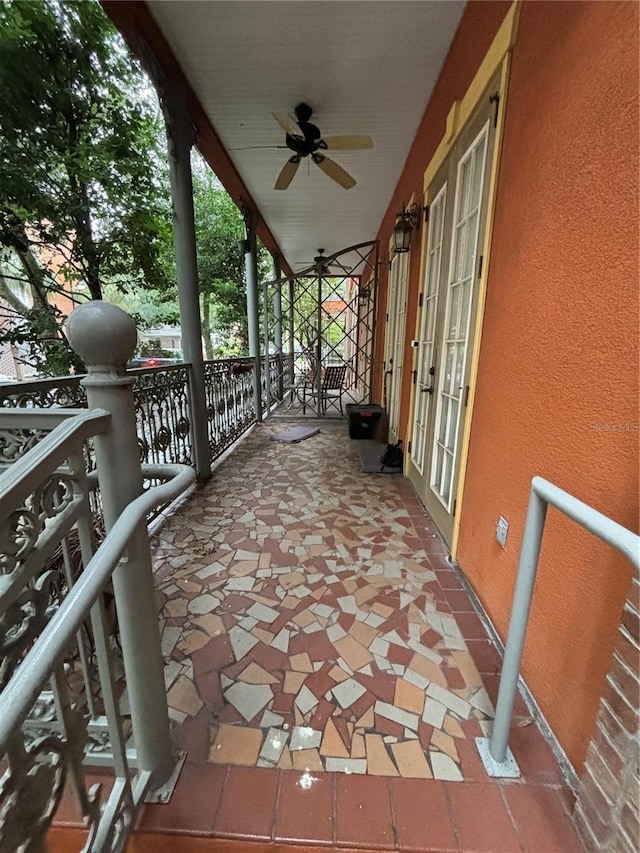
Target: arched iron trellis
pixel 328 320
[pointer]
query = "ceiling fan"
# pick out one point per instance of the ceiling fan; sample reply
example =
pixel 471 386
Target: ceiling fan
pixel 324 266
pixel 305 140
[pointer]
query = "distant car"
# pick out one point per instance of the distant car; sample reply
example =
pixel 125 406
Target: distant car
pixel 151 361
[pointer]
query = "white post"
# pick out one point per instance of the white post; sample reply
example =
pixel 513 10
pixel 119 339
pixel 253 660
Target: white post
pixel 180 137
pixel 253 321
pixel 105 336
pixel 277 329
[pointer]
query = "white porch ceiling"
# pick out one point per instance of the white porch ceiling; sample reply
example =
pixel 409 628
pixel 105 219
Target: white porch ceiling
pixel 364 66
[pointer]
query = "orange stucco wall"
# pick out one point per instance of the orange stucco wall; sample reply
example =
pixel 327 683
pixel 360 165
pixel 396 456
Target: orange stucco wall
pixel 557 391
pixel 473 37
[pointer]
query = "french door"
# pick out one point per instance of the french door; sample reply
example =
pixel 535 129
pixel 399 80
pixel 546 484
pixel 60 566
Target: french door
pixel 449 294
pixel 394 339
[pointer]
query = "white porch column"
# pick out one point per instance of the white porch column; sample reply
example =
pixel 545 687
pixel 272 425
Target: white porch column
pixel 253 320
pixel 277 328
pixel 180 138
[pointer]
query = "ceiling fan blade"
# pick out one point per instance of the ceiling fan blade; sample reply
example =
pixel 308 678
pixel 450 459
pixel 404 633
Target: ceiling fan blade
pixel 335 172
pixel 287 172
pixel 288 124
pixel 348 142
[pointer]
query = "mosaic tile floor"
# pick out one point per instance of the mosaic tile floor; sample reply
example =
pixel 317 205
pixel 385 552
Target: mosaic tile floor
pixel 307 619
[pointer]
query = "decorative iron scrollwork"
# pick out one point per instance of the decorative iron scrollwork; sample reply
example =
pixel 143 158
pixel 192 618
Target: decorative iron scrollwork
pixel 22 622
pixel 20 530
pixel 31 788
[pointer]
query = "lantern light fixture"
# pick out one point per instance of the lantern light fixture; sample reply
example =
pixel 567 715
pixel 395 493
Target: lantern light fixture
pixel 407 220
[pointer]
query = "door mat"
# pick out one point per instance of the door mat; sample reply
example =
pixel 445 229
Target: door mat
pixel 294 435
pixel 370 453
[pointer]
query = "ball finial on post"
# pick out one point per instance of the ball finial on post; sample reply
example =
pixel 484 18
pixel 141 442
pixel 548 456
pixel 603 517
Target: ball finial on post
pixel 103 335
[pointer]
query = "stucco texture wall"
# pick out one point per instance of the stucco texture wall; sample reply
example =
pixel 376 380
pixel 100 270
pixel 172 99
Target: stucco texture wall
pixel 557 391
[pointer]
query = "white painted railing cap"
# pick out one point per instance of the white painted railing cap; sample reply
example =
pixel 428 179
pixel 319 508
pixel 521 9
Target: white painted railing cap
pixel 102 334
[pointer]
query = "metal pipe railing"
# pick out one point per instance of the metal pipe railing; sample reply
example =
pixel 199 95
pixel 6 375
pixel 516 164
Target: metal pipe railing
pixel 21 692
pixel 543 493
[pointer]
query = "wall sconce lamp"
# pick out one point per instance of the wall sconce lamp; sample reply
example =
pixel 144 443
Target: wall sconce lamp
pixel 407 220
pixel 363 296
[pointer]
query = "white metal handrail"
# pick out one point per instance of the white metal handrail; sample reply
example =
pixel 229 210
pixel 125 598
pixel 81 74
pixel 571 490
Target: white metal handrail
pixel 22 691
pixel 495 754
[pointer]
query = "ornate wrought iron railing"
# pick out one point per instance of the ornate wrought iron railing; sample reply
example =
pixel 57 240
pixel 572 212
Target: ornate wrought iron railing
pixel 162 402
pixel 61 674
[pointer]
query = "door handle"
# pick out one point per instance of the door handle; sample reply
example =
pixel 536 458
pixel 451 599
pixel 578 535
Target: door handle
pixel 427 390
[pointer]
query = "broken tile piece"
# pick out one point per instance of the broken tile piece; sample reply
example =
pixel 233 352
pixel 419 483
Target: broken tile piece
pixel 305 700
pixel 444 768
pixel 434 712
pixel 263 613
pixel 184 697
pixel 409 697
pixel 304 737
pixel 249 699
pixel 453 702
pixel 397 715
pixel 274 743
pixel 348 692
pixel 254 674
pixel 241 642
pixel 346 765
pixel 332 744
pixel 411 760
pixel 379 762
pixel 236 745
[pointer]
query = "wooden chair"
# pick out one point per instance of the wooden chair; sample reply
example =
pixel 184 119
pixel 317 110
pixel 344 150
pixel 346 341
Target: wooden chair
pixel 331 388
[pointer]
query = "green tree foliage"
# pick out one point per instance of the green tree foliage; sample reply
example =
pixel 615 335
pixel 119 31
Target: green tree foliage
pixel 221 273
pixel 81 168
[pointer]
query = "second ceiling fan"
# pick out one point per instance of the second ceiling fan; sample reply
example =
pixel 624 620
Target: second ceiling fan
pixel 305 140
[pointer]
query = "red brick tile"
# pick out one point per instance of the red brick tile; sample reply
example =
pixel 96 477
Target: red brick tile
pixel 492 685
pixel 247 807
pixel 193 805
pixel 472 767
pixel 283 703
pixel 533 754
pixel 268 658
pixel 455 681
pixel 305 815
pixel 389 727
pixel 210 690
pixel 382 686
pixel 447 578
pixel 215 655
pixel 421 816
pixel 363 813
pixel 540 817
pixel 459 601
pixel 471 626
pixel 193 736
pixel 320 647
pixel 480 818
pixel 485 656
pixel 398 654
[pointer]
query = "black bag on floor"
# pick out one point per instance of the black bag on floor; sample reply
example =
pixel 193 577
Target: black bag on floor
pixel 392 457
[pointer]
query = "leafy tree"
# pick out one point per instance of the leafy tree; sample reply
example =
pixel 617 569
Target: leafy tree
pixel 81 168
pixel 221 273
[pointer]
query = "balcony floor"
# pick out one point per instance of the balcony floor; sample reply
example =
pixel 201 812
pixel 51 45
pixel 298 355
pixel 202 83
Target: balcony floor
pixel 327 671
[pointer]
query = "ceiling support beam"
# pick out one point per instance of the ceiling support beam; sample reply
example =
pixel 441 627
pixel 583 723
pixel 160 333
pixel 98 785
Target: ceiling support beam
pixel 180 137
